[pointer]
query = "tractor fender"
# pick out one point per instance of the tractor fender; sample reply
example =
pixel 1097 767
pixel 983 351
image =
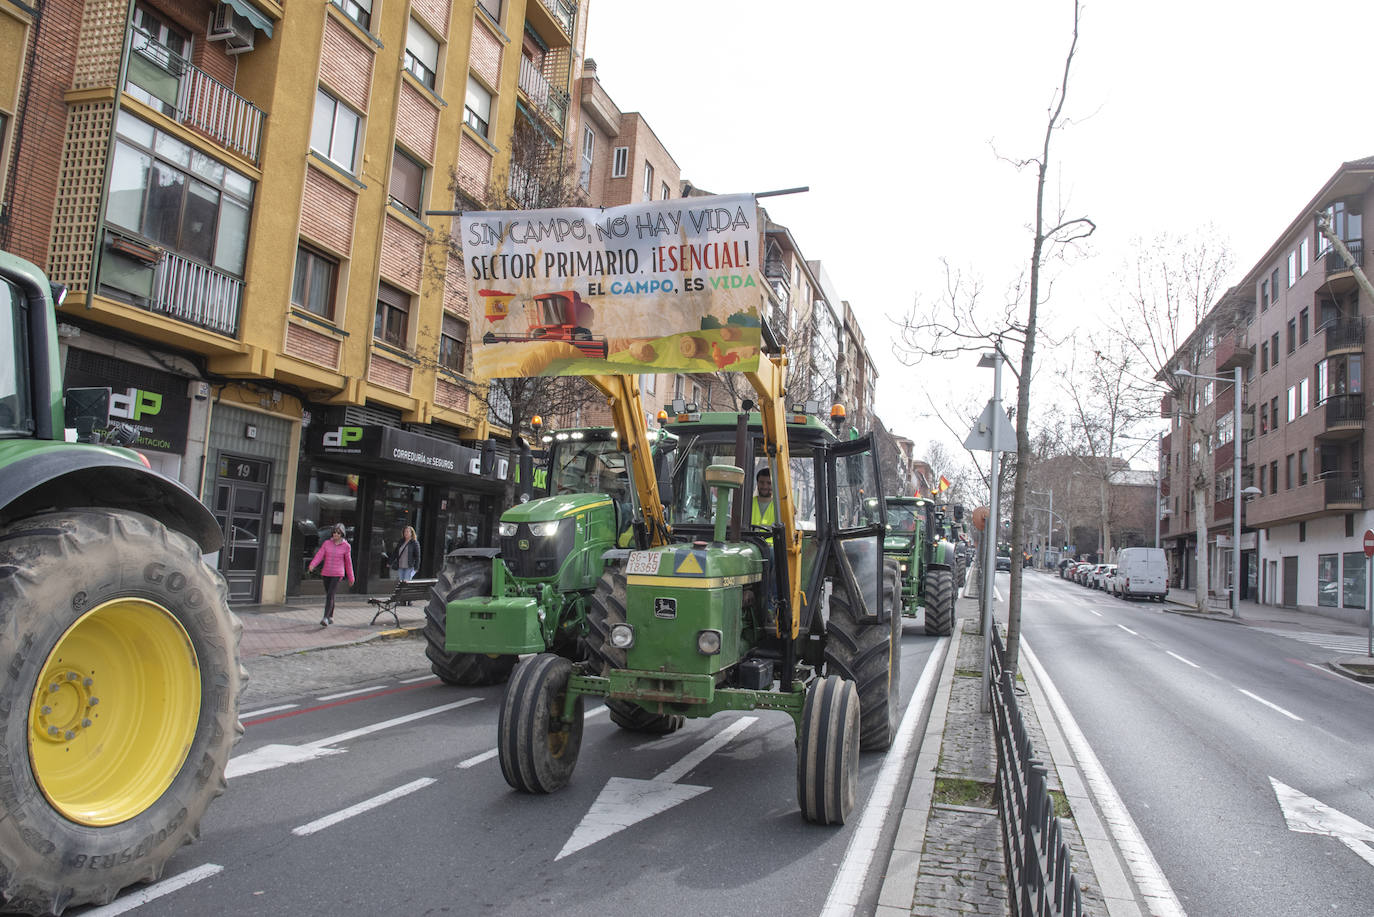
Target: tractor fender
pixel 73 477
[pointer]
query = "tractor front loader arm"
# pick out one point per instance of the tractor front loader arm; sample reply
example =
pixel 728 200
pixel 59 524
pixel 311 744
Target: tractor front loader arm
pixel 627 413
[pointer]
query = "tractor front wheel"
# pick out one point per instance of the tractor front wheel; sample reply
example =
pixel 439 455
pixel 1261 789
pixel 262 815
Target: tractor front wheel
pixel 604 611
pixel 939 602
pixel 537 746
pixel 828 751
pixel 465 578
pixel 118 708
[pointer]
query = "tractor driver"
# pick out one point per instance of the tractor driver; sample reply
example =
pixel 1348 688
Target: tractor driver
pixel 762 512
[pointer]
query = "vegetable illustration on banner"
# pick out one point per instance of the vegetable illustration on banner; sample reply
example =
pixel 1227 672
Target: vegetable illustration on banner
pixel 664 286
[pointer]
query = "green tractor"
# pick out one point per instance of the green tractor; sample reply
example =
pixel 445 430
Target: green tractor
pixel 932 570
pixel 119 697
pixel 530 594
pixel 709 611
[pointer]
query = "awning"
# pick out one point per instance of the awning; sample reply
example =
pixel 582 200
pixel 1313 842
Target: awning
pixel 250 12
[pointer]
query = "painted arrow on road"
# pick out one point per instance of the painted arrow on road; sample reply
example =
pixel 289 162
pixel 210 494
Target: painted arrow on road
pixel 624 802
pixel 1311 816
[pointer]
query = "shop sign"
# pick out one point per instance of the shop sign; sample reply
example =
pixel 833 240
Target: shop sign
pixel 157 407
pixel 394 447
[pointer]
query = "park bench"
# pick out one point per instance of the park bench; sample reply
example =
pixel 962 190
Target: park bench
pixel 407 592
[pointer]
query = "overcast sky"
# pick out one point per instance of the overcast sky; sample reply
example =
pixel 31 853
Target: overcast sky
pixel 1185 113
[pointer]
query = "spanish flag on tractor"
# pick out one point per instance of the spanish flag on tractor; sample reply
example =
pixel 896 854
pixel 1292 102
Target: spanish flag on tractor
pixel 944 485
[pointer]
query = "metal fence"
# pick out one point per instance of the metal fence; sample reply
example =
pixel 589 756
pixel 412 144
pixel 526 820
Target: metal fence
pixel 1040 876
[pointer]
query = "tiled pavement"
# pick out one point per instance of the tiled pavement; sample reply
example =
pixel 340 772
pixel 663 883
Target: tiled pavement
pixel 279 630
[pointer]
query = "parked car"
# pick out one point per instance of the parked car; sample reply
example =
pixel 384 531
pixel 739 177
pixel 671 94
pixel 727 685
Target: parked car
pixel 1143 572
pixel 1080 573
pixel 1096 575
pixel 1003 563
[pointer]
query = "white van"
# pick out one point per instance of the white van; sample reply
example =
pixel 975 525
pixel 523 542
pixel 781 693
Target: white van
pixel 1142 572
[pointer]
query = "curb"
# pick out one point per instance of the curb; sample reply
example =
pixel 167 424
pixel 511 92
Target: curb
pixel 389 634
pixel 1347 666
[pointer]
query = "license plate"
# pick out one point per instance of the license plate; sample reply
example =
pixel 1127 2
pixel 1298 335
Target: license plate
pixel 645 562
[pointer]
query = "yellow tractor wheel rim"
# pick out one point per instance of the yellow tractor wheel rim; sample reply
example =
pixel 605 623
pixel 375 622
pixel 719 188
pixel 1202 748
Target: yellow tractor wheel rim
pixel 114 712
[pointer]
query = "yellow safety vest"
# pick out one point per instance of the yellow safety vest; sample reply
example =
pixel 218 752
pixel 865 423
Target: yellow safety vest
pixel 764 519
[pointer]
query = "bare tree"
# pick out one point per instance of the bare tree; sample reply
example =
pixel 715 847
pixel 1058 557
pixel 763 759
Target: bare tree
pixel 1171 287
pixel 958 326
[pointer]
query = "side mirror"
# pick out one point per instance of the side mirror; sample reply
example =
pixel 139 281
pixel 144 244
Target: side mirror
pixel 958 512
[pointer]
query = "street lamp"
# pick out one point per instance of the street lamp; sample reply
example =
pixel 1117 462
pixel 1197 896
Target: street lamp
pixel 1235 477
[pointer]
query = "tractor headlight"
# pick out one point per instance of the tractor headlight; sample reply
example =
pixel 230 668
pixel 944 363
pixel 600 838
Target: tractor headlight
pixel 708 642
pixel 543 529
pixel 506 529
pixel 622 636
pixel 903 568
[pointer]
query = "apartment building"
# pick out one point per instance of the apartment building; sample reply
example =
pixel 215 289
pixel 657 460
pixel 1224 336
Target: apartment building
pixel 1295 325
pixel 251 206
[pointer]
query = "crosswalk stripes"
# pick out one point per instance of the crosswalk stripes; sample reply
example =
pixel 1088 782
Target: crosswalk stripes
pixel 1344 644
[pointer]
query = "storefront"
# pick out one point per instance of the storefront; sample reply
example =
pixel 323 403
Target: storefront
pixel 375 480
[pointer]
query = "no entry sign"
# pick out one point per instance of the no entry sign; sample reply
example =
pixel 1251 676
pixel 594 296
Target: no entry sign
pixel 1369 542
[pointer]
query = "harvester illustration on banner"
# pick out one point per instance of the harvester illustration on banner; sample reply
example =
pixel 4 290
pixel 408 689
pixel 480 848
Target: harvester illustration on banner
pixel 562 316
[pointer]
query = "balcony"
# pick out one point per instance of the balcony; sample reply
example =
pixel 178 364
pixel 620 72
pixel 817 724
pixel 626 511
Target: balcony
pixel 169 83
pixel 1335 264
pixel 1344 417
pixel 552 20
pixel 1233 350
pixel 550 101
pixel 196 294
pixel 1343 490
pixel 1344 335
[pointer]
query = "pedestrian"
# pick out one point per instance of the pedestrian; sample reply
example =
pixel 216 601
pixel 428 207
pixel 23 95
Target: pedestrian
pixel 406 558
pixel 335 559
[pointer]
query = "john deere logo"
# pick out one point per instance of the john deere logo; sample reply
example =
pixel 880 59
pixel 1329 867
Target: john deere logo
pixel 665 608
pixel 343 436
pixel 523 544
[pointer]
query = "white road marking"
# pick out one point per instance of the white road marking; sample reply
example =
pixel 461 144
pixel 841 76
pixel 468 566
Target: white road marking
pixel 1311 816
pixel 1256 697
pixel 845 891
pixel 329 697
pixel 366 805
pixel 266 710
pixel 1182 660
pixel 272 756
pixel 1150 879
pixel 1128 630
pixel 1098 613
pixel 152 892
pixel 488 755
pixel 411 681
pixel 624 802
pixel 1345 644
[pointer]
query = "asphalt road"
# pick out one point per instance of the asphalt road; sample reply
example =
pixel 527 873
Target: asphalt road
pixel 364 785
pixel 1204 727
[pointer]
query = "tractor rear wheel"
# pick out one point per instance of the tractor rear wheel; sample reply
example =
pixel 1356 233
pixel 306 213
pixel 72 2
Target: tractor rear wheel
pixel 464 578
pixel 604 611
pixel 939 602
pixel 828 751
pixel 118 708
pixel 869 655
pixel 537 747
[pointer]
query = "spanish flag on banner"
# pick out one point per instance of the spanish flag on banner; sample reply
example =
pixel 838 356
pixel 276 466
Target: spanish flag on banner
pixel 943 486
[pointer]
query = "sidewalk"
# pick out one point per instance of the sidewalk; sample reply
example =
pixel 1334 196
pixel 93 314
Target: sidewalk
pixel 279 630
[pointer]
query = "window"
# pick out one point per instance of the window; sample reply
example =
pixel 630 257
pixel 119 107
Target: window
pixel 1208 392
pixel 1303 391
pixel 1344 224
pixel 1263 421
pixel 1274 413
pixel 648 182
pixel 492 8
pixel 1349 525
pixel 453 343
pixel 1261 479
pixel 1274 477
pixel 1288 471
pixel 1352 585
pixel 1304 256
pixel 393 315
pixel 161 55
pixel 315 282
pixel 1264 295
pixel 620 162
pixel 15 316
pixel 588 149
pixel 664 193
pixel 646 383
pixel 177 197
pixel 1264 356
pixel 1274 349
pixel 1302 327
pixel 1322 392
pixel 360 11
pixel 1292 403
pixel 422 53
pixel 1302 467
pixel 1292 335
pixel 1274 286
pixel 407 182
pixel 1302 531
pixel 1327 585
pixel 1226 429
pixel 477 107
pixel 334 134
pixel 1292 269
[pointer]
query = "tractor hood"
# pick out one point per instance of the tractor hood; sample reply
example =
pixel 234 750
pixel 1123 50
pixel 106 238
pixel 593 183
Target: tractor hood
pixel 894 543
pixel 549 508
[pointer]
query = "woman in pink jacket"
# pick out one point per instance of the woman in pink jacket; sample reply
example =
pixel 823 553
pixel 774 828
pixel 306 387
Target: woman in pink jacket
pixel 337 558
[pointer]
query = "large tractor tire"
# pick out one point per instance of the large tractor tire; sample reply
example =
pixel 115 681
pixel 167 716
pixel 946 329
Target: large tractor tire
pixel 463 579
pixel 828 751
pixel 118 704
pixel 606 609
pixel 869 655
pixel 537 747
pixel 939 602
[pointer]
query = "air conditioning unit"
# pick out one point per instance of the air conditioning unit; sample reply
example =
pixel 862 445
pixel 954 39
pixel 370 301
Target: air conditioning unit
pixel 229 27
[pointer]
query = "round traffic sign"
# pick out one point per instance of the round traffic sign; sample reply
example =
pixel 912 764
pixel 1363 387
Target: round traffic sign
pixel 1369 542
